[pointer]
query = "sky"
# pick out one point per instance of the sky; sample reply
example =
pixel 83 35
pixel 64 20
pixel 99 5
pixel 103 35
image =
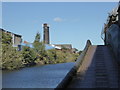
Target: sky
pixel 70 22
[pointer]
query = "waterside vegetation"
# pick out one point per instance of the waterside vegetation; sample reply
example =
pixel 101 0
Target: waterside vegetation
pixel 14 59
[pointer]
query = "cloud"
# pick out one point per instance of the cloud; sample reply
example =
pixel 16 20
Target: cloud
pixel 57 19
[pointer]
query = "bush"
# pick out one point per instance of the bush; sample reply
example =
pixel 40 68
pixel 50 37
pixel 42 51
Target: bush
pixel 28 56
pixel 57 56
pixel 11 58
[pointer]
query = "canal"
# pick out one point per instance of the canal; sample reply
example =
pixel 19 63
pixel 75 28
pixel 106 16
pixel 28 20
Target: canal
pixel 46 76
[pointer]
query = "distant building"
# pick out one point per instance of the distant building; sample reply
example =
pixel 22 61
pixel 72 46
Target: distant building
pixel 46 40
pixel 74 50
pixel 16 39
pixel 64 46
pixel 46 37
pixel 56 47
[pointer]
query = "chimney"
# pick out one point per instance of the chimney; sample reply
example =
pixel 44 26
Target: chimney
pixel 46 33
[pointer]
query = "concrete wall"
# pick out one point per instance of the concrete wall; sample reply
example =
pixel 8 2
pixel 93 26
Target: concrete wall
pixel 73 71
pixel 113 39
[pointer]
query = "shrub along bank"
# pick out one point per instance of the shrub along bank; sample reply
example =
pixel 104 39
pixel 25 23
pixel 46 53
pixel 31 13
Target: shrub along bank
pixel 13 59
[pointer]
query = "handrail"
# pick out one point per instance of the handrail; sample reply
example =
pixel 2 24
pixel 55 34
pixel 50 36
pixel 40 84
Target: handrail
pixel 72 72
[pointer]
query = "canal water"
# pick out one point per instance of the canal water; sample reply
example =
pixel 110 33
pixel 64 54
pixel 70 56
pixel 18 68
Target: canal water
pixel 46 76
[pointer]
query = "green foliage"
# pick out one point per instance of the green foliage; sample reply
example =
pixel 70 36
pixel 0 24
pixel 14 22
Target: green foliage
pixel 51 54
pixel 28 56
pixel 39 49
pixel 58 56
pixel 0 56
pixel 11 59
pixel 6 38
pixel 37 37
pixel 64 48
pixel 80 52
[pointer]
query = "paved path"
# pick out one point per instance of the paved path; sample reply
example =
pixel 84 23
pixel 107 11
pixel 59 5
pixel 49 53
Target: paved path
pixel 98 70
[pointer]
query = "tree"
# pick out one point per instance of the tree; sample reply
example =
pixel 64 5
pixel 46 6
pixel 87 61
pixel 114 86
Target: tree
pixel 6 38
pixel 37 37
pixel 28 56
pixel 51 56
pixel 39 48
pixel 11 58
